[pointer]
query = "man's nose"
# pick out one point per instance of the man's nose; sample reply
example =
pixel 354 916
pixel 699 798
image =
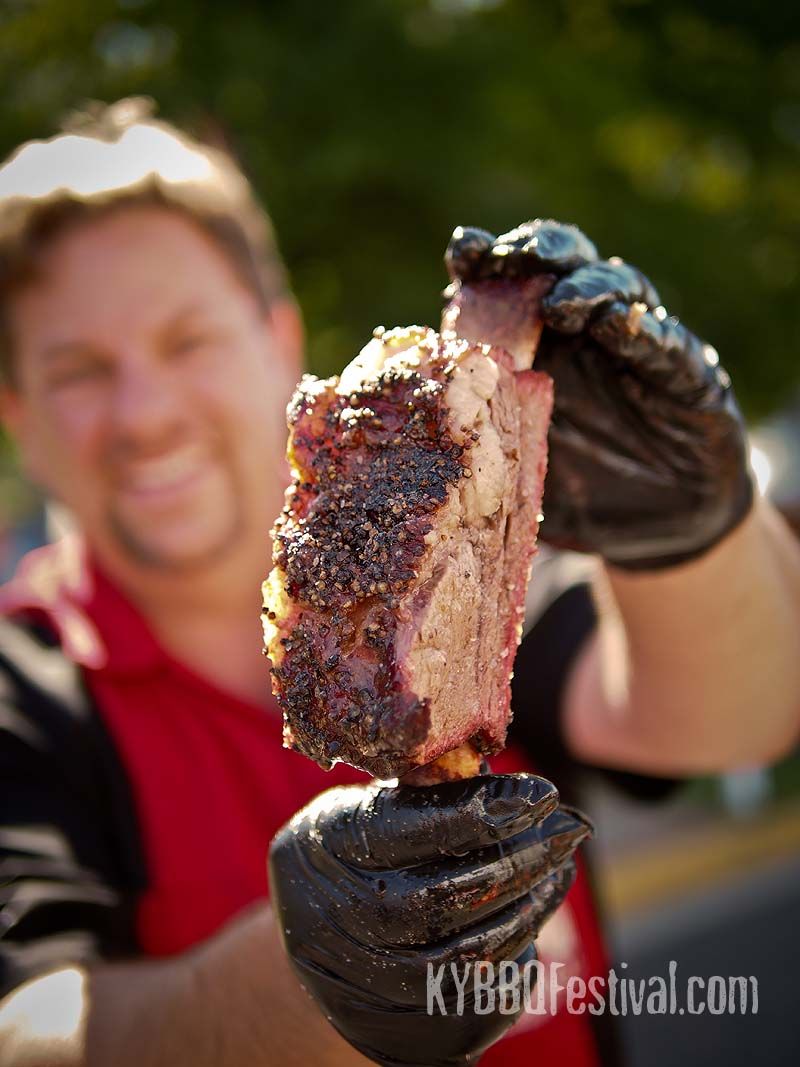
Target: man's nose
pixel 147 401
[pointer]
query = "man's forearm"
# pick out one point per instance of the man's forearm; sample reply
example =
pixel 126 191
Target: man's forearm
pixel 232 1001
pixel 695 669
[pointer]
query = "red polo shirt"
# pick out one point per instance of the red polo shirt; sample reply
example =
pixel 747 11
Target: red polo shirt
pixel 211 784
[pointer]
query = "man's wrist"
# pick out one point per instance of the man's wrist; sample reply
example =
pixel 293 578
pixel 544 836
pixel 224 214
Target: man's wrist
pixel 243 983
pixel 682 564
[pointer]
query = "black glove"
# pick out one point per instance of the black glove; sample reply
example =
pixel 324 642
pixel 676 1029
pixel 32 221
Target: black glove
pixel 648 454
pixel 373 884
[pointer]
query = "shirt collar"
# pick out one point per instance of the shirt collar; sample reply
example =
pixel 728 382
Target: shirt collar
pixel 97 626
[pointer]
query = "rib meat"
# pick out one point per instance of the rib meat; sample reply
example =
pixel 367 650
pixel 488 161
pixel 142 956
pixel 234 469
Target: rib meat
pixel 394 608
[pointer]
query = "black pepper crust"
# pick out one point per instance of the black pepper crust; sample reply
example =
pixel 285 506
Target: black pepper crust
pixel 373 468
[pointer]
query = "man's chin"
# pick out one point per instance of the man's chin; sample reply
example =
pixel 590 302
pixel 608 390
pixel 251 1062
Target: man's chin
pixel 173 553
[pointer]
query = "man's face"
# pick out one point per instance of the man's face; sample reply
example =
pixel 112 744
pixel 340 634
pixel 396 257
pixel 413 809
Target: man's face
pixel 151 390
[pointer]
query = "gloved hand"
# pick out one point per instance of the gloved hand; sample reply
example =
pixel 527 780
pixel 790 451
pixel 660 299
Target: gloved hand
pixel 648 457
pixel 373 884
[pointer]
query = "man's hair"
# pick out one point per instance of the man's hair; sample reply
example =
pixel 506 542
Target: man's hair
pixel 109 157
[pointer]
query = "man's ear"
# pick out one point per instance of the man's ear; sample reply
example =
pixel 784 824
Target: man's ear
pixel 11 412
pixel 286 326
pixel 15 421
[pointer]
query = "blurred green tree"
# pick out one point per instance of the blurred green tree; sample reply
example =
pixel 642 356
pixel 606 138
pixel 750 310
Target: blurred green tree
pixel 669 131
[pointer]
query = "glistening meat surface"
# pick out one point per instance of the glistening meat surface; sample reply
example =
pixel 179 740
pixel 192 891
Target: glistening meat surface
pixel 393 612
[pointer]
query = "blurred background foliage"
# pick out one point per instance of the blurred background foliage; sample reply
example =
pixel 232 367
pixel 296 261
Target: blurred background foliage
pixel 670 132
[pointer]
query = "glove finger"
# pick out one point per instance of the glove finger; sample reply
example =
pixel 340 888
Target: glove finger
pixel 661 349
pixel 575 299
pixel 466 251
pixel 502 936
pixel 406 825
pixel 541 246
pixel 548 895
pixel 424 904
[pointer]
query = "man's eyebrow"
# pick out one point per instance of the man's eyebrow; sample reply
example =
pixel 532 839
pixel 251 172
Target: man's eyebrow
pixel 197 307
pixel 75 346
pixel 68 348
pixel 184 317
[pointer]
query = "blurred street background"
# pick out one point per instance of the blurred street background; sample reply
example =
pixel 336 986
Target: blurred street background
pixel 710 879
pixel 670 133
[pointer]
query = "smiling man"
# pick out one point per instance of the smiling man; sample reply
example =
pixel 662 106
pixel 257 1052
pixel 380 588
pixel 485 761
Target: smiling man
pixel 149 345
pixel 149 399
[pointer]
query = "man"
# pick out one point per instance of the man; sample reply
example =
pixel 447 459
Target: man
pixel 150 346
